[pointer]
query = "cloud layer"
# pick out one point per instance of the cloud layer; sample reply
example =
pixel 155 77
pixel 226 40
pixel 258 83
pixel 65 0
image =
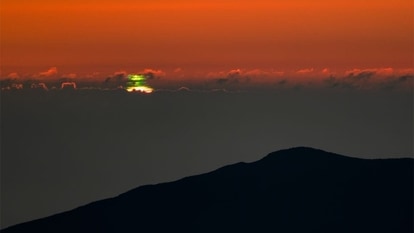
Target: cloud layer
pixel 240 79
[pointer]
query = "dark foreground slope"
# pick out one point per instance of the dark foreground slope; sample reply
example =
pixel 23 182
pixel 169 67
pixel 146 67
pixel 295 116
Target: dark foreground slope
pixel 295 190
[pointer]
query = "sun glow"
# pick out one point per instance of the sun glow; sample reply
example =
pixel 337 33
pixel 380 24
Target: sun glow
pixel 137 82
pixel 140 89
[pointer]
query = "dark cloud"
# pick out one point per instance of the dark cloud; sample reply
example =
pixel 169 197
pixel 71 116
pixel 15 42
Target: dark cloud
pixel 222 81
pixel 120 75
pixel 405 78
pixel 404 81
pixel 370 80
pixel 41 86
pixel 282 82
pixel 244 79
pixel 331 82
pixel 153 74
pixel 117 79
pixel 348 82
pixel 365 75
pixel 359 80
pixel 232 77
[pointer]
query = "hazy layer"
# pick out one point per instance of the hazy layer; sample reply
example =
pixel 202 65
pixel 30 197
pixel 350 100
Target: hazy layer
pixel 62 149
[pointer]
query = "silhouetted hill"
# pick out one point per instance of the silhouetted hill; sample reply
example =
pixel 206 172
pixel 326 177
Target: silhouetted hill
pixel 294 190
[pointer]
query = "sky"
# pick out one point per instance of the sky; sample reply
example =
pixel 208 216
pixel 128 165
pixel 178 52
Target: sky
pixel 199 39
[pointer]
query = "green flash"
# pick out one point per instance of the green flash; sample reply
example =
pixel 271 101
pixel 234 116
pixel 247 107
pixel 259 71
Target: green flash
pixel 137 82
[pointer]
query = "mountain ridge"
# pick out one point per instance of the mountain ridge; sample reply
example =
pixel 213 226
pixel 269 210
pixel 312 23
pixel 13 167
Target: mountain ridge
pixel 297 185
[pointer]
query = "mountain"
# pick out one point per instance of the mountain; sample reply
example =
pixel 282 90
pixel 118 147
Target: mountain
pixel 294 190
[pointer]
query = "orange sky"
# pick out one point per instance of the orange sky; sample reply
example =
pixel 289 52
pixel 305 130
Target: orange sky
pixel 86 36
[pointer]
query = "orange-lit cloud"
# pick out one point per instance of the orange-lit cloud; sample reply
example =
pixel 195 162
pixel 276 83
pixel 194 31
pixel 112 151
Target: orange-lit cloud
pixel 49 73
pixel 13 75
pixel 305 71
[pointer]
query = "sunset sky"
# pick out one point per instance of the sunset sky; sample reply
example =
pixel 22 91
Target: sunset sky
pixel 233 80
pixel 183 38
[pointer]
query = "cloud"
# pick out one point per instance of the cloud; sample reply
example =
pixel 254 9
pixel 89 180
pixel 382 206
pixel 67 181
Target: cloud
pixel 325 71
pixel 352 80
pixel 406 78
pixel 50 72
pixel 282 82
pixel 404 81
pixel 405 71
pixel 305 71
pixel 362 76
pixel 277 73
pixel 334 82
pixel 234 76
pixel 120 74
pixel 222 81
pixel 368 78
pixel 243 79
pixel 374 78
pixel 13 75
pixel 379 71
pixel 42 86
pixel 117 79
pixel 234 73
pixel 385 71
pixel 257 74
pixel 68 85
pixel 153 74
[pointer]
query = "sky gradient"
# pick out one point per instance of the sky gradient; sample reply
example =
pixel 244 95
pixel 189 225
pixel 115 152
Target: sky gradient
pixel 194 38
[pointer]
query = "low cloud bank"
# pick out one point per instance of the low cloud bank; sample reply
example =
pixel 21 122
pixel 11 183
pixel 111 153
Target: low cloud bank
pixel 232 80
